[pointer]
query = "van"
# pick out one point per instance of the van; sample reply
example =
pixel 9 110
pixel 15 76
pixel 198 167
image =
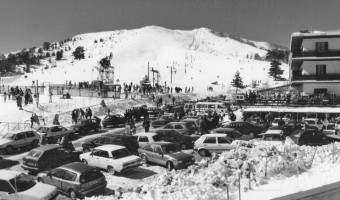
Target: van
pixel 239 98
pixel 203 107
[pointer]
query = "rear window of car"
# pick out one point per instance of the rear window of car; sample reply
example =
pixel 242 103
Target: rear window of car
pixel 89 176
pixel 35 153
pixel 120 153
pixel 157 138
pixel 42 130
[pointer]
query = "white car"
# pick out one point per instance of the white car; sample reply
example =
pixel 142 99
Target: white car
pixel 210 143
pixel 53 132
pixel 144 139
pixel 113 158
pixel 274 137
pixel 16 185
pixel 314 122
pixel 276 121
pixel 19 139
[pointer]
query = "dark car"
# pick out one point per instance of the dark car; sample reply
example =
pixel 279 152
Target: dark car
pixel 312 137
pixel 166 154
pixel 75 180
pixel 113 120
pixel 154 111
pixel 292 126
pixel 162 121
pixel 182 127
pixel 173 136
pixel 193 122
pixel 48 157
pixel 245 128
pixel 127 141
pixel 87 125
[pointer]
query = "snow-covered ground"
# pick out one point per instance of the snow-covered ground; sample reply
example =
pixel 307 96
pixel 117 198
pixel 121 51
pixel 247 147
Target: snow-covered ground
pixel 198 57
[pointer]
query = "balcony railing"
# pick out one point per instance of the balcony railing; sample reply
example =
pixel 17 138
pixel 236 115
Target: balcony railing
pixel 329 53
pixel 329 77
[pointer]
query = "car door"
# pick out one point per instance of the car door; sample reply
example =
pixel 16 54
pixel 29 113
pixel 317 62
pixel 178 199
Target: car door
pixel 210 144
pixel 94 158
pixel 180 128
pixel 103 159
pixel 56 178
pixel 158 155
pixel 143 141
pixel 55 132
pixel 149 152
pixel 30 136
pixel 68 180
pixel 223 144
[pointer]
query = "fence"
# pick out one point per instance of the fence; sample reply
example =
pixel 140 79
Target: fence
pixel 6 127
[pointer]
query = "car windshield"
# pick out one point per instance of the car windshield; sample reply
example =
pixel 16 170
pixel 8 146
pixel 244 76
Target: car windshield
pixel 310 122
pixel 22 183
pixel 275 120
pixel 42 130
pixel 9 136
pixel 35 153
pixel 120 153
pixel 272 137
pixel 171 149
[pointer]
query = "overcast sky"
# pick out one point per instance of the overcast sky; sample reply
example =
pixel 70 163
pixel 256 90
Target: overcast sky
pixel 28 23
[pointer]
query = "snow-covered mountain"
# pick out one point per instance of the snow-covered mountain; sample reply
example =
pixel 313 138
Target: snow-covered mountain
pixel 198 57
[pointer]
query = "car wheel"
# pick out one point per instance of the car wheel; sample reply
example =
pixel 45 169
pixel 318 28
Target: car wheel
pixel 72 194
pixel 84 161
pixel 183 146
pixel 144 159
pixel 203 152
pixel 111 170
pixel 50 140
pixel 169 165
pixel 9 149
pixel 35 143
pixel 85 150
pixel 40 180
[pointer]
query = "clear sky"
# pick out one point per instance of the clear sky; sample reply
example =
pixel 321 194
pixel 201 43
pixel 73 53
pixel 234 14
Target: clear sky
pixel 28 23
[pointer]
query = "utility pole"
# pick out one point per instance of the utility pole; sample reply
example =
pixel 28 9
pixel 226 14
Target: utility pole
pixel 185 67
pixel 172 72
pixel 153 77
pixel 148 71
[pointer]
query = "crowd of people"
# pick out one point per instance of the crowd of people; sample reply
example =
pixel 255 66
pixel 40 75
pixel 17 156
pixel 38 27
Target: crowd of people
pixel 79 114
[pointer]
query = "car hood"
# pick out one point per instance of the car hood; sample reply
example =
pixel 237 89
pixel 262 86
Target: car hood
pixel 4 141
pixel 180 155
pixel 75 126
pixel 39 191
pixel 128 159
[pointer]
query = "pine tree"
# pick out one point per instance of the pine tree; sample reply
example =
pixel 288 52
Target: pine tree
pixel 275 70
pixel 48 54
pixel 237 82
pixel 95 41
pixel 46 46
pixel 79 53
pixel 53 53
pixel 59 55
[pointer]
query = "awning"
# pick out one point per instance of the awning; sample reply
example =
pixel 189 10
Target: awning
pixel 294 109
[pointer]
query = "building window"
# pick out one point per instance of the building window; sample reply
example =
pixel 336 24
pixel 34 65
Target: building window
pixel 321 46
pixel 320 90
pixel 320 70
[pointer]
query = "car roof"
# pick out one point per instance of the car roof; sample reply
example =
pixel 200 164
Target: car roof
pixel 47 147
pixel 177 123
pixel 110 147
pixel 161 143
pixel 145 134
pixel 312 119
pixel 8 174
pixel 21 131
pixel 78 167
pixel 49 126
pixel 215 135
pixel 273 132
pixel 226 129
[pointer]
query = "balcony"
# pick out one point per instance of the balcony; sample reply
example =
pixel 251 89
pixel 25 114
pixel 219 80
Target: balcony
pixel 329 53
pixel 330 77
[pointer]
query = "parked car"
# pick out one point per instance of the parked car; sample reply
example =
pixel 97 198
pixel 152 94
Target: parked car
pixel 232 133
pixel 53 132
pixel 15 185
pixel 290 127
pixel 313 137
pixel 162 121
pixel 123 140
pixel 276 121
pixel 18 139
pixel 48 157
pixel 182 127
pixel 259 122
pixel 76 180
pixel 154 111
pixel 193 122
pixel 173 136
pixel 166 154
pixel 113 120
pixel 113 158
pixel 314 122
pixel 273 137
pixel 210 143
pixel 245 128
pixel 86 125
pixel 144 139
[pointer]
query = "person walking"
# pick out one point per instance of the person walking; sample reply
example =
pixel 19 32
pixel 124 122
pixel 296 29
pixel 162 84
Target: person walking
pixel 5 96
pixel 146 124
pixel 128 127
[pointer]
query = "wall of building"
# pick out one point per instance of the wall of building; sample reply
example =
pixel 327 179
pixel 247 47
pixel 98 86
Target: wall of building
pixel 309 44
pixel 309 67
pixel 331 87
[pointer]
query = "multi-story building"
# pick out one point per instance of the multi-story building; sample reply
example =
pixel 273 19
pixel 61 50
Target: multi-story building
pixel 315 62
